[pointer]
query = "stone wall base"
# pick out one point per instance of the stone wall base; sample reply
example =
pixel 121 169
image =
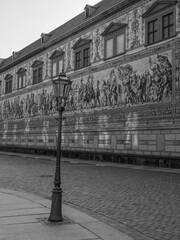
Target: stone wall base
pixel 155 161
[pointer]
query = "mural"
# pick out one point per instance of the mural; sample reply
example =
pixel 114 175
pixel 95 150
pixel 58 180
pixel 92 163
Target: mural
pixel 31 105
pixel 140 82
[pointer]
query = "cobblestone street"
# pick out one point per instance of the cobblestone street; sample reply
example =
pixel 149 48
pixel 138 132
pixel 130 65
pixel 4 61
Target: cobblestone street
pixel 143 204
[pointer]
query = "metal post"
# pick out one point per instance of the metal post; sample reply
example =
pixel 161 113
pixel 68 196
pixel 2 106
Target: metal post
pixel 56 205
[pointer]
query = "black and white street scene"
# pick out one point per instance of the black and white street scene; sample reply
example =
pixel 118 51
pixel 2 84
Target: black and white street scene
pixel 90 120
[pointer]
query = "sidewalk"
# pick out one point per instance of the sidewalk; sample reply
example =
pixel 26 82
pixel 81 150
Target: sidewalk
pixel 24 216
pixel 97 163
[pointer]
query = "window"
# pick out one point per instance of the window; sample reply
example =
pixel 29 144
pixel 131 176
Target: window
pixel 57 63
pixel 114 40
pixel 109 48
pixel 37 75
pixel 21 81
pixel 78 60
pixel 37 71
pixel 168 26
pixel 82 53
pixel 120 44
pixel 8 84
pixel 153 31
pixel 160 22
pixel 86 56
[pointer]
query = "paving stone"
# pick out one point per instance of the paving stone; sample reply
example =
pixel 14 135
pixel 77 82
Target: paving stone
pixel 138 203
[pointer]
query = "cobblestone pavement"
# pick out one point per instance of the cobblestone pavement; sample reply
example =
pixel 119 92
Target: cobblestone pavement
pixel 143 204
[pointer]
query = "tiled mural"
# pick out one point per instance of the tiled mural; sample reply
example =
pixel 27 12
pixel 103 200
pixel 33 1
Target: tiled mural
pixel 33 104
pixel 140 82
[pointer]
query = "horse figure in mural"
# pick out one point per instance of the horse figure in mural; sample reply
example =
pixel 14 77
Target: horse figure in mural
pixel 87 94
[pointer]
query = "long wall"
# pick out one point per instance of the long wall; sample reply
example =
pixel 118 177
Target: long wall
pixel 122 106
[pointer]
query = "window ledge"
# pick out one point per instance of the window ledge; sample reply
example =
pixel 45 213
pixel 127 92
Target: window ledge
pixel 82 68
pixel 161 41
pixel 121 54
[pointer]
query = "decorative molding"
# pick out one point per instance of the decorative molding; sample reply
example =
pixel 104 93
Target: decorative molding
pixel 158 6
pixel 36 63
pixel 114 26
pixel 56 54
pixel 81 42
pixel 21 70
pixel 8 76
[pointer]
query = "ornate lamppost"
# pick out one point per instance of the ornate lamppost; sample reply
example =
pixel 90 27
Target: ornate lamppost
pixel 61 85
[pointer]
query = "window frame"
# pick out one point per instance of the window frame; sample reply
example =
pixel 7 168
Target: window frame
pixel 8 83
pixel 37 78
pixel 55 58
pixel 167 26
pixel 37 73
pixel 82 54
pixel 78 60
pixel 111 33
pixel 86 57
pixel 159 16
pixel 21 78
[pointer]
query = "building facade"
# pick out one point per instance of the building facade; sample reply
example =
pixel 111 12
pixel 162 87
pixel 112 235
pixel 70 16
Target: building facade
pixel 123 58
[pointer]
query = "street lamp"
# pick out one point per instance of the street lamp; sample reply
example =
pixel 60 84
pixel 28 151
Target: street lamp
pixel 61 85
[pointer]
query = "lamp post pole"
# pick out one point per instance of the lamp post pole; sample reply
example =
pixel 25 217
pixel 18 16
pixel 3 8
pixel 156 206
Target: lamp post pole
pixel 61 85
pixel 56 205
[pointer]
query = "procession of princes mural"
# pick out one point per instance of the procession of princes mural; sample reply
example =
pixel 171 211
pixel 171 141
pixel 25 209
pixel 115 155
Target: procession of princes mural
pixel 139 82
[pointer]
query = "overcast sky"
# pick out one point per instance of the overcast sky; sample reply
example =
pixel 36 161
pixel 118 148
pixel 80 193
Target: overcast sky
pixel 23 21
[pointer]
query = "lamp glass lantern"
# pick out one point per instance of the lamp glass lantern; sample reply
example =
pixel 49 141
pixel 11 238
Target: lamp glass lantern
pixel 61 85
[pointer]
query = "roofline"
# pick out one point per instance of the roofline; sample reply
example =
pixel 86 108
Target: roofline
pixel 79 28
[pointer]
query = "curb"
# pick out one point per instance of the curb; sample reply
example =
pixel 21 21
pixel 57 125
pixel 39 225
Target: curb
pixel 100 229
pixel 97 163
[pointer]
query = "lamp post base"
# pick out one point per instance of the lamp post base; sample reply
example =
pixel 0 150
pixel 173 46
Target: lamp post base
pixel 56 206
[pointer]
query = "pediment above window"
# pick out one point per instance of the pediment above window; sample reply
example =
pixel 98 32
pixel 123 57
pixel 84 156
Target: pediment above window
pixel 36 63
pixel 21 70
pixel 114 27
pixel 157 7
pixel 8 76
pixel 56 54
pixel 81 42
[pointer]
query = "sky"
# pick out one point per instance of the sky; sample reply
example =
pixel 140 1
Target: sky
pixel 23 21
